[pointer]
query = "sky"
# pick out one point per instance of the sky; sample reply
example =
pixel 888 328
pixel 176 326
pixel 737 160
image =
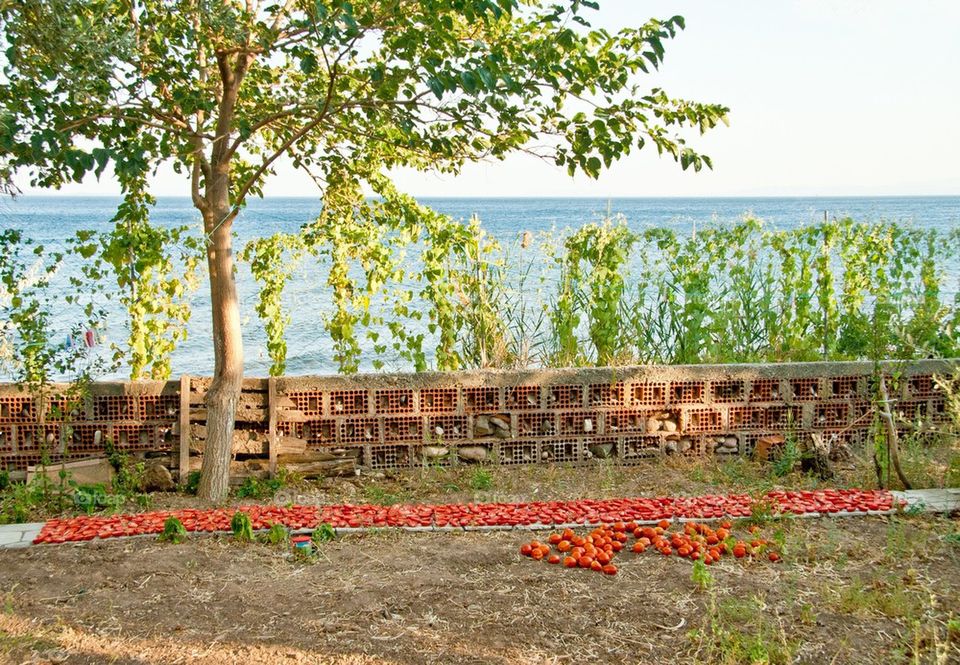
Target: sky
pixel 826 98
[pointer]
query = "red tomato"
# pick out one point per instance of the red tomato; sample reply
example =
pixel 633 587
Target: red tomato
pixel 610 569
pixel 553 558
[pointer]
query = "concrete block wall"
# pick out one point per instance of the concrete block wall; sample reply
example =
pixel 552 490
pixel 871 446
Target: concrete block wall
pixel 505 417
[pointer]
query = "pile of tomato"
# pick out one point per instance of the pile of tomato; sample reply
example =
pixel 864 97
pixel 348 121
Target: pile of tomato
pixel 694 541
pixel 535 514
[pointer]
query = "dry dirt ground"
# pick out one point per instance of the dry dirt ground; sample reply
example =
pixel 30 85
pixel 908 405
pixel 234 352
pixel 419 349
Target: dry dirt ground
pixel 854 590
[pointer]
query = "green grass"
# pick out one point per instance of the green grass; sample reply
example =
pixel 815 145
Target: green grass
pixel 888 596
pixel 741 631
pixel 380 496
pixel 481 480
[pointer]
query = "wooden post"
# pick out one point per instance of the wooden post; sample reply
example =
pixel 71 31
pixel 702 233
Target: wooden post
pixel 184 428
pixel 272 431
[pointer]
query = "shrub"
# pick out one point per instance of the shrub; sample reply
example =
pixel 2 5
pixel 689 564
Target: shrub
pixel 242 527
pixel 173 531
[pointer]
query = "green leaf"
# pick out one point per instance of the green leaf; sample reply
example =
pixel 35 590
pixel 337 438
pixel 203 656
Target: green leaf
pixel 435 86
pixel 469 81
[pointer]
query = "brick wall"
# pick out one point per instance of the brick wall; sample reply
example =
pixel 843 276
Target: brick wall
pixel 504 417
pixel 575 415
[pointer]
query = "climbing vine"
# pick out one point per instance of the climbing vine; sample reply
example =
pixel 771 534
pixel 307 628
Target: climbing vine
pixel 155 271
pixel 273 260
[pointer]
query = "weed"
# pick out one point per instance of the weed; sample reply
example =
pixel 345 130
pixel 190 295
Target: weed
pixel 242 527
pixel 192 483
pixel 277 535
pixel 762 511
pixel 481 480
pixel 91 498
pixel 254 488
pixel 173 531
pixel 756 638
pixel 382 497
pixel 915 509
pixel 888 597
pixel 21 502
pixel 701 576
pixel 4 480
pixel 787 458
pixel 128 478
pixel 324 533
pixel 952 539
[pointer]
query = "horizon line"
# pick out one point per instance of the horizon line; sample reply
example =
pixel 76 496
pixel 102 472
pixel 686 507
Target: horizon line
pixel 55 194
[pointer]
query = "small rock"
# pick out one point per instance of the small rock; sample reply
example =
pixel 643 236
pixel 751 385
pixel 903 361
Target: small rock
pixel 473 453
pixel 499 422
pixel 653 425
pixel 587 425
pixel 481 426
pixel 669 426
pixel 156 478
pixel 601 450
pixel 434 451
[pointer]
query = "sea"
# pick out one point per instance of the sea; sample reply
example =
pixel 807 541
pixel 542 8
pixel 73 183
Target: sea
pixel 49 220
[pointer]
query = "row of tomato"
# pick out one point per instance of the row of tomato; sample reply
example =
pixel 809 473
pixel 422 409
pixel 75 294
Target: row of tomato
pixel 540 513
pixel 697 542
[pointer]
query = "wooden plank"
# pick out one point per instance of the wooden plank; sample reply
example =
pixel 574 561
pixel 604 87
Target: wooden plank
pixel 272 447
pixel 184 428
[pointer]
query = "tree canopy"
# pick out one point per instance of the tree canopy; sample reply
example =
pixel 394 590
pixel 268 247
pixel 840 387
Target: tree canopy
pixel 338 86
pixel 345 91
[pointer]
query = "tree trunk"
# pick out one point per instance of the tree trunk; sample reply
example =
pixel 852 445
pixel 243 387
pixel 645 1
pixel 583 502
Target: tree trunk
pixel 224 391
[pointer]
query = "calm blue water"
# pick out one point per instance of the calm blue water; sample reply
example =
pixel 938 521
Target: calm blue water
pixel 49 220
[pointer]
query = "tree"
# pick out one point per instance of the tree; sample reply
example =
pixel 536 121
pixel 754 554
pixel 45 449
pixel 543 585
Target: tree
pixel 345 91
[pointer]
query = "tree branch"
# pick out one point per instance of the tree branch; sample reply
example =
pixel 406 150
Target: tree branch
pixel 251 181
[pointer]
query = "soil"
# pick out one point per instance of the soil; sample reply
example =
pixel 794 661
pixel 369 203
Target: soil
pixel 855 590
